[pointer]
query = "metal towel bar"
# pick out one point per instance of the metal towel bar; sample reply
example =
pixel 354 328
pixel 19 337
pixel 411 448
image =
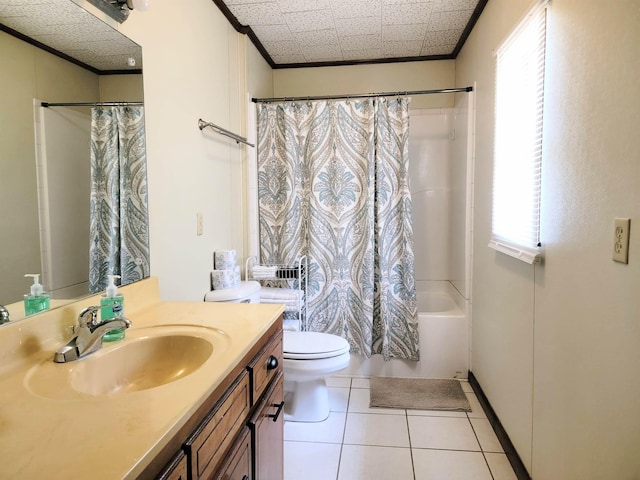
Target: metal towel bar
pixel 202 125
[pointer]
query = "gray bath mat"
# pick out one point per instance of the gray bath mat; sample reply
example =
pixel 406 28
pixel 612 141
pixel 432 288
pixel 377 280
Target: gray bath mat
pixel 418 394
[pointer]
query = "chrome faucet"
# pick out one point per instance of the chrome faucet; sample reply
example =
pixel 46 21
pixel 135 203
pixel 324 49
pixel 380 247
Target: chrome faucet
pixel 88 335
pixel 4 315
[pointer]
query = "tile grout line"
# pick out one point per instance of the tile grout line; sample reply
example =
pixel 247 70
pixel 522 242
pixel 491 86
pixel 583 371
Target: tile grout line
pixel 413 465
pixel 344 430
pixel 480 445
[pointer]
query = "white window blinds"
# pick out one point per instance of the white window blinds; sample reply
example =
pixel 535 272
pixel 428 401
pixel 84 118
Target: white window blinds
pixel 518 138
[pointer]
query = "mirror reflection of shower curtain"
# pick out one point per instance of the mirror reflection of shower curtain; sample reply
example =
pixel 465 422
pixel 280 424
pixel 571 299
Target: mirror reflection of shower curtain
pixel 119 237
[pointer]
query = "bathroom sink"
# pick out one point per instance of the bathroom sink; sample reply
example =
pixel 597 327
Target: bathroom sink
pixel 147 358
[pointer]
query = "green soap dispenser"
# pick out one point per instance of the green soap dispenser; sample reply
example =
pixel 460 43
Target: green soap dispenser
pixel 37 301
pixel 112 306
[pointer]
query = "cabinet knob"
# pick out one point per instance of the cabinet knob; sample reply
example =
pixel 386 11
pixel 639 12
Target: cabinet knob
pixel 272 363
pixel 246 477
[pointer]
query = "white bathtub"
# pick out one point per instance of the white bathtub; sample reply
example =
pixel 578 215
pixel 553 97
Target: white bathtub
pixel 444 339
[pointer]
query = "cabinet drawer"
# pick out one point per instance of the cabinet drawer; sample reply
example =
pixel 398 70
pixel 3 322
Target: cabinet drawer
pixel 238 465
pixel 265 367
pixel 209 443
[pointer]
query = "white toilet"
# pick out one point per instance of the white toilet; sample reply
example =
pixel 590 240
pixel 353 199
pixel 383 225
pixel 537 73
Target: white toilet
pixel 244 292
pixel 309 358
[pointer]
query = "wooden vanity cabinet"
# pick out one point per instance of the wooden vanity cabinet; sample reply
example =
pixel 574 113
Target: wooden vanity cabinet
pixel 240 436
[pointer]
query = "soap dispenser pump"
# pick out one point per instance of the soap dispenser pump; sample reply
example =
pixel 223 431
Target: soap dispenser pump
pixel 36 301
pixel 112 306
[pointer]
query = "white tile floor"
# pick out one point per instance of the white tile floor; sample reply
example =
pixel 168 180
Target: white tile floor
pixel 357 442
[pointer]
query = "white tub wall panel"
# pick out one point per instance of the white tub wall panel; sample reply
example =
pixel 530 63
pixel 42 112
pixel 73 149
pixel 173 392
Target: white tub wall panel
pixel 429 169
pixel 469 194
pixel 458 199
pixel 431 286
pixel 434 122
pixel 457 297
pixel 431 235
pixel 428 161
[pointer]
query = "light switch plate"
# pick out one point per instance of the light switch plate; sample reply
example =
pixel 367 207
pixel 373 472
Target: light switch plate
pixel 199 223
pixel 621 240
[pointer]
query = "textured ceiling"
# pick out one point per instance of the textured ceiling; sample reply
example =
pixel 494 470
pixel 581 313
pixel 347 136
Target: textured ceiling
pixel 288 33
pixel 67 28
pixel 303 32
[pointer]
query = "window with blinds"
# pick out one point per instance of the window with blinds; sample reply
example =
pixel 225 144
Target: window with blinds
pixel 520 62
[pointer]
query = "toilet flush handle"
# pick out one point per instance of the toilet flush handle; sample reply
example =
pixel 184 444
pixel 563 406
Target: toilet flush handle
pixel 272 363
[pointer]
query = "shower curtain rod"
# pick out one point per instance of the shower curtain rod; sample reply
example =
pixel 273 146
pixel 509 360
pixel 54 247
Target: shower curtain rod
pixel 362 95
pixel 90 104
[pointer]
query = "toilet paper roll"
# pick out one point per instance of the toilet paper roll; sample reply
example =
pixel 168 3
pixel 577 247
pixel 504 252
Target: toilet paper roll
pixel 236 275
pixel 224 259
pixel 222 279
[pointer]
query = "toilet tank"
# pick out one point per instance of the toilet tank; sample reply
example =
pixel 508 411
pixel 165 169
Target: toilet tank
pixel 244 292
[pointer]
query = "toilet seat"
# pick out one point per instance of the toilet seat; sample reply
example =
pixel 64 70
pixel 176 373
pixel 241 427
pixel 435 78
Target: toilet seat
pixel 313 345
pixel 309 357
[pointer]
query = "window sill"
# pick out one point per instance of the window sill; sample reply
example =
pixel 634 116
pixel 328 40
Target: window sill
pixel 524 254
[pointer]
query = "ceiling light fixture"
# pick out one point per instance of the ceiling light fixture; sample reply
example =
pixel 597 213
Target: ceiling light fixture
pixel 119 9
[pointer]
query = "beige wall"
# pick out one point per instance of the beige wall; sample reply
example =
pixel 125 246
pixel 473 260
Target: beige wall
pixel 259 73
pixel 195 66
pixel 121 88
pixel 554 345
pixel 389 77
pixel 28 73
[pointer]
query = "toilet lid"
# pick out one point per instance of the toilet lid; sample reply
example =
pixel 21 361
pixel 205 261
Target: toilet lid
pixel 241 291
pixel 313 345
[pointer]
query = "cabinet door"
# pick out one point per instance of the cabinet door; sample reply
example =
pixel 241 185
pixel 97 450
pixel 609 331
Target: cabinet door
pixel 267 426
pixel 238 466
pixel 207 446
pixel 176 469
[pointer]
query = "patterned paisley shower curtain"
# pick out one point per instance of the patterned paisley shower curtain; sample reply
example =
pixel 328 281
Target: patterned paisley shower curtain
pixel 119 212
pixel 332 184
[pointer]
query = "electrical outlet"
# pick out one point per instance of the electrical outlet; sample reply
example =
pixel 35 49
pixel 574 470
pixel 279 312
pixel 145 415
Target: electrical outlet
pixel 621 240
pixel 199 223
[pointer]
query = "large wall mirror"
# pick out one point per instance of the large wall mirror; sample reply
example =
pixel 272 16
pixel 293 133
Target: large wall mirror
pixel 55 52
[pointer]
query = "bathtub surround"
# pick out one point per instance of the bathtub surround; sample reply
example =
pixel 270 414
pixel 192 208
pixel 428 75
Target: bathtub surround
pixel 119 237
pixel 332 184
pixel 440 167
pixel 444 339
